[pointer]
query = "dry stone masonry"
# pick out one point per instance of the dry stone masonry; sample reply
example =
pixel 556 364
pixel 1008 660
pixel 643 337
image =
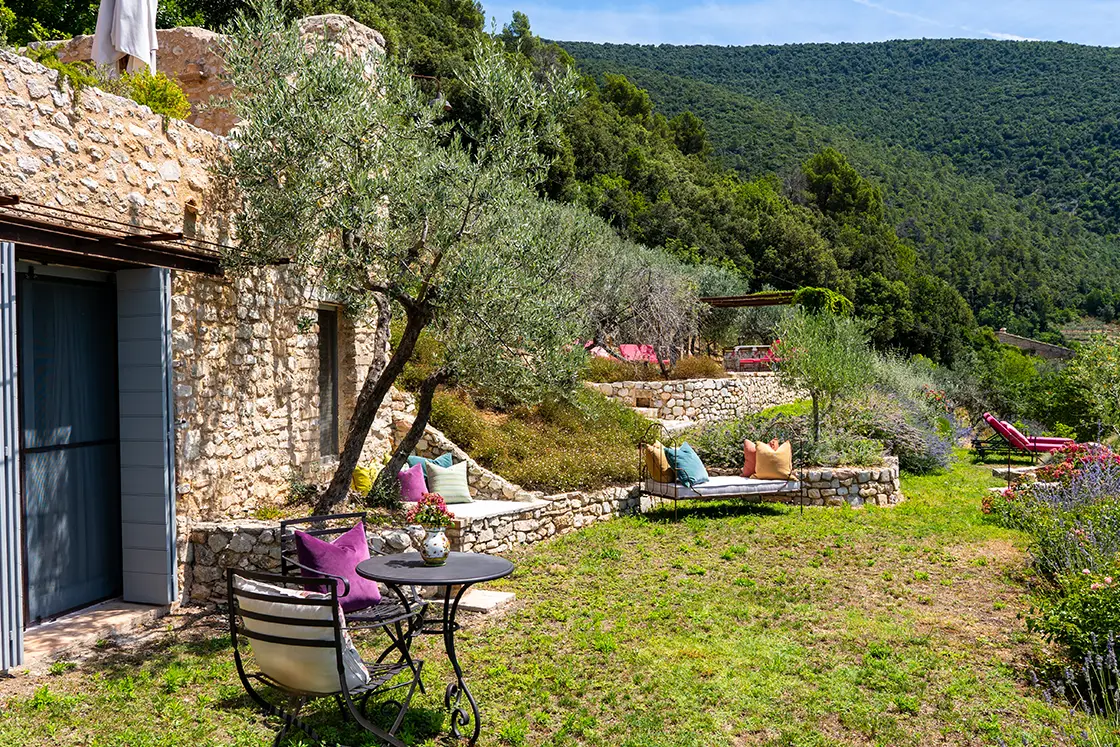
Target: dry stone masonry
pixel 701 399
pixel 856 486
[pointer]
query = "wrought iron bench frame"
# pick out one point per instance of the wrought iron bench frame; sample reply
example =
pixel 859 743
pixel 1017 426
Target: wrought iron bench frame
pixel 657 432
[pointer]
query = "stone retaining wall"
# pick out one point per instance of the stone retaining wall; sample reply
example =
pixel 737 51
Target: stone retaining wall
pixel 208 548
pixel 484 484
pixel 563 513
pixel 856 486
pixel 702 399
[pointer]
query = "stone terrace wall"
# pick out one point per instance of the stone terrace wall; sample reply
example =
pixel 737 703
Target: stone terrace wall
pixel 856 486
pixel 191 56
pixel 245 348
pixel 702 399
pixel 208 548
pixel 564 513
pixel 484 484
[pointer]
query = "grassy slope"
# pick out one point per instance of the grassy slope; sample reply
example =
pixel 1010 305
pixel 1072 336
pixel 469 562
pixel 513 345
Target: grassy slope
pixel 733 626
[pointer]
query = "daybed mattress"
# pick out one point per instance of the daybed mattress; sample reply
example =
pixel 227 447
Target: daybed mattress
pixel 723 485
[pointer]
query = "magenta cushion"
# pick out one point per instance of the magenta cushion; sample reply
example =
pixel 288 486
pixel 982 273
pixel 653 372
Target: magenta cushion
pixel 413 485
pixel 340 558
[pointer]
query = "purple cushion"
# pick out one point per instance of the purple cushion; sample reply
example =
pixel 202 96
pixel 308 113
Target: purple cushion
pixel 412 482
pixel 340 558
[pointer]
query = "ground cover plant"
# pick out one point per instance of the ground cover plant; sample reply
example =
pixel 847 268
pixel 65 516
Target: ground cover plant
pixel 581 441
pixel 736 625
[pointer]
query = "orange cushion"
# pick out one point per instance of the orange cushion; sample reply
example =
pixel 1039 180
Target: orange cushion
pixel 657 464
pixel 749 456
pixel 773 464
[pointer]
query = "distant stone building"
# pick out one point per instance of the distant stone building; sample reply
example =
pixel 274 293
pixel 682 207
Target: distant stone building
pixel 141 387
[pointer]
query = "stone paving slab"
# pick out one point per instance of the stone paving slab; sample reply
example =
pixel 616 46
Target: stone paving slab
pixel 482 600
pixel 82 629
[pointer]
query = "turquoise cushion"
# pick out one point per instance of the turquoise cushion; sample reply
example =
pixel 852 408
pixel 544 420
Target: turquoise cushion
pixel 690 470
pixel 443 460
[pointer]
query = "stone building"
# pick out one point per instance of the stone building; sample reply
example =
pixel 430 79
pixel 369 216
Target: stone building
pixel 142 388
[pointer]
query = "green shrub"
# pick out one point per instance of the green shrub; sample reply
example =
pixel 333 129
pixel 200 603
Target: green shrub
pixel 1083 614
pixel 77 74
pixel 585 441
pixel 720 444
pixel 698 367
pixel 844 449
pixel 157 92
pixel 612 370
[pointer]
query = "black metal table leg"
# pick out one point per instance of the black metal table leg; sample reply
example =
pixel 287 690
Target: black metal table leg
pixel 453 696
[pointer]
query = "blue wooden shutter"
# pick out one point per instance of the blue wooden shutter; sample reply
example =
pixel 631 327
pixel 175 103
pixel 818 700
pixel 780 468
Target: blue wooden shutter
pixel 147 435
pixel 11 574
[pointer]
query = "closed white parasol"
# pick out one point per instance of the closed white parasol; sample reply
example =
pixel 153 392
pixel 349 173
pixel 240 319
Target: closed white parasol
pixel 126 29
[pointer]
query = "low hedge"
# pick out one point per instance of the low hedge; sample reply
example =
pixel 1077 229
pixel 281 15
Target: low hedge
pixel 612 370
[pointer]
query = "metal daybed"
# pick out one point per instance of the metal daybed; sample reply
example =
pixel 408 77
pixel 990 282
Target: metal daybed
pixel 719 486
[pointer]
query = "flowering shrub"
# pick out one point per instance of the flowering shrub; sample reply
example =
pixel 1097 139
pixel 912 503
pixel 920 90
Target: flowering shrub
pixel 1085 615
pixel 430 512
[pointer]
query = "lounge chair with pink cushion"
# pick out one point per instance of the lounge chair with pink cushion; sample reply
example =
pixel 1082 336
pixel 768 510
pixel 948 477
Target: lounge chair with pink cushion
pixel 1013 440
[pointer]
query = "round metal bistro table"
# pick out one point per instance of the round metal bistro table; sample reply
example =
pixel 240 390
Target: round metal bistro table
pixel 462 569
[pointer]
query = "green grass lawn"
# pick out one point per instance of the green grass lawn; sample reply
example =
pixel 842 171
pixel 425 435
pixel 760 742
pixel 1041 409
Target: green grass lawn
pixel 736 625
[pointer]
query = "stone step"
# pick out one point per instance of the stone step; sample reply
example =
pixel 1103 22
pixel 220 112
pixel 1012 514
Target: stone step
pixel 483 600
pixel 647 412
pixel 1003 473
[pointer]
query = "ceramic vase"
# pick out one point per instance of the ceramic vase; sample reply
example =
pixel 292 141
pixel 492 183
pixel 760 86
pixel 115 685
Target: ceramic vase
pixel 436 547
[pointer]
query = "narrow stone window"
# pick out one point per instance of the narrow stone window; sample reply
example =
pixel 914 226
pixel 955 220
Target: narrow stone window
pixel 328 382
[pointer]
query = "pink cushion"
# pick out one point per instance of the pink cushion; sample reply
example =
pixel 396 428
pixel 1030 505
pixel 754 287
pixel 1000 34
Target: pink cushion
pixel 340 558
pixel 413 485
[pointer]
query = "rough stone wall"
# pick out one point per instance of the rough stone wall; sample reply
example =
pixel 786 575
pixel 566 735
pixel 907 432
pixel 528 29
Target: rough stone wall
pixel 856 486
pixel 245 347
pixel 191 55
pixel 484 484
pixel 209 548
pixel 103 154
pixel 246 366
pixel 563 513
pixel 702 399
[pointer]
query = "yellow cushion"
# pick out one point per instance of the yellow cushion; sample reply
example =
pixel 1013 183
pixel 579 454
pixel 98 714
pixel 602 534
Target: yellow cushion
pixel 773 464
pixel 657 465
pixel 362 479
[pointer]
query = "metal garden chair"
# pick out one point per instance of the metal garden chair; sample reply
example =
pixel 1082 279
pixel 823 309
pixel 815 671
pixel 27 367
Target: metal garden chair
pixel 397 616
pixel 302 650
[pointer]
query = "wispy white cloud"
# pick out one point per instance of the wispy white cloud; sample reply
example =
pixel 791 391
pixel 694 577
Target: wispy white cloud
pixel 1001 35
pixel 899 13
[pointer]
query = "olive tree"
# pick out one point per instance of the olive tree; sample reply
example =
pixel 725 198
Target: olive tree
pixel 827 355
pixel 346 170
pixel 636 294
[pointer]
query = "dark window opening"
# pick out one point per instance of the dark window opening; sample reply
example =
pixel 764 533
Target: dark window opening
pixel 328 382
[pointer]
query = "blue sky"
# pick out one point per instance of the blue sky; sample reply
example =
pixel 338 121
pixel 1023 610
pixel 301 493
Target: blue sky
pixel 788 21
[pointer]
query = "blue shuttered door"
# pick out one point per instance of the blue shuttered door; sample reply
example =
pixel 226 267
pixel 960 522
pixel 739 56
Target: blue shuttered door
pixel 147 455
pixel 11 578
pixel 69 454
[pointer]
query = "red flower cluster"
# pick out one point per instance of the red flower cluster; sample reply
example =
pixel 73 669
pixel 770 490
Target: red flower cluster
pixel 1073 458
pixel 430 511
pixel 935 397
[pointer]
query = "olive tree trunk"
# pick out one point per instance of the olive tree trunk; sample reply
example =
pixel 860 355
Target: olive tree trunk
pixel 423 412
pixel 380 378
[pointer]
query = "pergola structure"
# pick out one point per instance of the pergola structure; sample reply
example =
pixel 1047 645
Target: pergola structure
pixel 765 298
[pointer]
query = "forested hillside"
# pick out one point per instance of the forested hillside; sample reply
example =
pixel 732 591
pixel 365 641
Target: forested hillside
pixel 930 182
pixel 1019 261
pixel 1034 118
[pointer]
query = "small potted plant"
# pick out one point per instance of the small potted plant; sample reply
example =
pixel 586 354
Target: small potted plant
pixel 431 513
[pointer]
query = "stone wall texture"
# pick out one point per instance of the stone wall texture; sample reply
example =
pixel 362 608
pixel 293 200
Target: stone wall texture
pixel 244 346
pixel 246 372
pixel 702 399
pixel 192 56
pixel 856 486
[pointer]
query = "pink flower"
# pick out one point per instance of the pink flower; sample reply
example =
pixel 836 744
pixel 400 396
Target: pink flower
pixel 1108 580
pixel 1085 571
